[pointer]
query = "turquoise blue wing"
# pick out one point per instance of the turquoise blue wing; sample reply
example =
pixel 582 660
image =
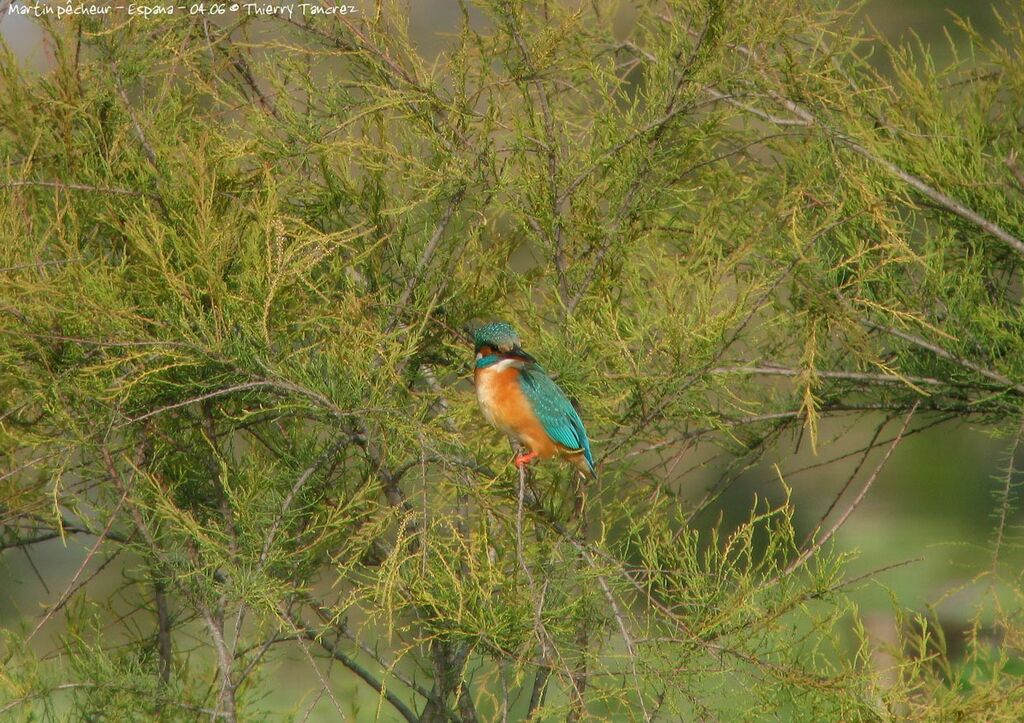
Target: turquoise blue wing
pixel 555 411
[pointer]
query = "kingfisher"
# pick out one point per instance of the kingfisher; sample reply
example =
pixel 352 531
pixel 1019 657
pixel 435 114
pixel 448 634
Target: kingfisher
pixel 518 397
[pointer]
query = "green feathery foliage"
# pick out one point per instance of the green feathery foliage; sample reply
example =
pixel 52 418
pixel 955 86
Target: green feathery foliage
pixel 239 259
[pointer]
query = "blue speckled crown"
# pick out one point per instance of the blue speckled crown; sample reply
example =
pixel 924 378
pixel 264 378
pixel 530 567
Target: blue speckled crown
pixel 498 335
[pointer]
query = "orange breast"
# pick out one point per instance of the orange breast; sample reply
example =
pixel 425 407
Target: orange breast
pixel 505 406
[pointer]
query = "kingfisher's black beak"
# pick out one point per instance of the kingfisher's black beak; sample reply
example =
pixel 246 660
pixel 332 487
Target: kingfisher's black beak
pixel 518 351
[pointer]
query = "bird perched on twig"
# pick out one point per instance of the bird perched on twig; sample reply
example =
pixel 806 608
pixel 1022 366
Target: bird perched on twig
pixel 518 397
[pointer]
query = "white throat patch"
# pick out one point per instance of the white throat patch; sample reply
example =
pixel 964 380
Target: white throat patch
pixel 505 364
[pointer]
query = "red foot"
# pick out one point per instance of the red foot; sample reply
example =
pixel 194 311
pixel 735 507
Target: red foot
pixel 522 459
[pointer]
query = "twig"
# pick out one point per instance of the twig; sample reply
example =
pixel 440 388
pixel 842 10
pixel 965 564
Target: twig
pixel 62 600
pixel 871 573
pixel 578 676
pixel 301 639
pixel 35 570
pixel 390 72
pixel 606 155
pixel 708 35
pixel 948 202
pixel 627 638
pixel 520 500
pixel 763 299
pixel 545 645
pixel 226 707
pixel 966 363
pixel 753 110
pixel 831 374
pixel 140 136
pixel 1015 170
pixel 540 684
pixel 280 384
pixel 849 481
pixel 290 497
pixel 428 253
pixel 331 621
pixel 820 542
pixel 200 398
pixel 226 702
pixel 1003 498
pixel 60 185
pixel 787 474
pixel 165 650
pixel 551 150
pixel 103 343
pixel 242 66
pixel 317 637
pixel 806 118
pixel 107 687
pixel 47 536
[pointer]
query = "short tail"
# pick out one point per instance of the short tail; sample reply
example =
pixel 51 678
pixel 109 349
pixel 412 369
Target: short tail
pixel 585 464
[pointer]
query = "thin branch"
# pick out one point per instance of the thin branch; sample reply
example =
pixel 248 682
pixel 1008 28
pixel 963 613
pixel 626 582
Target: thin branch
pixel 966 363
pixel 520 500
pixel 753 110
pixel 108 687
pixel 763 299
pixel 290 497
pixel 578 677
pixel 1015 170
pixel 330 621
pixel 428 252
pixel 29 541
pixel 165 650
pixel 62 185
pixel 62 600
pixel 787 474
pixel 948 202
pixel 627 638
pixel 1003 498
pixel 226 706
pixel 200 398
pixel 318 637
pixel 820 542
pixel 108 343
pixel 538 690
pixel 226 703
pixel 140 135
pixel 849 481
pixel 279 384
pixel 831 374
pixel 551 151
pixel 806 118
pixel 871 573
pixel 301 639
pixel 707 36
pixel 242 66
